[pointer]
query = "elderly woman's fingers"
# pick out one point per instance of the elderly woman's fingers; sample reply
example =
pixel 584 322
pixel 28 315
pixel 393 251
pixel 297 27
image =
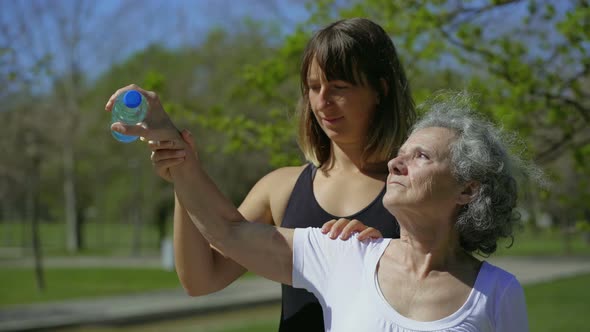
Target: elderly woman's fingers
pixel 149 134
pixel 149 95
pixel 156 125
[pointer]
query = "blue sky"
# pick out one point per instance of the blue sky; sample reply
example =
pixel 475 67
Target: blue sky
pixel 110 30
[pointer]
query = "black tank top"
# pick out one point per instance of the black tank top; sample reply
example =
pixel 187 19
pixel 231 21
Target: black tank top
pixel 301 310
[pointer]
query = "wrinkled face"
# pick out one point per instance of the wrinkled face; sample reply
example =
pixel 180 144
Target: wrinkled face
pixel 420 176
pixel 343 110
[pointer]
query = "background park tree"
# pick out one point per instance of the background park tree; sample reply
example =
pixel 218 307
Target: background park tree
pixel 526 60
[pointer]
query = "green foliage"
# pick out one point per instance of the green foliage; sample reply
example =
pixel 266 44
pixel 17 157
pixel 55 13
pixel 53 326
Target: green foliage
pixel 583 226
pixel 516 72
pixel 154 81
pixel 530 74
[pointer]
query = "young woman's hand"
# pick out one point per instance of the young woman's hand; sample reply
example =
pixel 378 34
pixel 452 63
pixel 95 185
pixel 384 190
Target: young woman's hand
pixel 167 154
pixel 345 228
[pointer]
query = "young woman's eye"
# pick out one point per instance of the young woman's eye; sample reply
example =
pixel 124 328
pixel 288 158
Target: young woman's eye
pixel 339 84
pixel 314 88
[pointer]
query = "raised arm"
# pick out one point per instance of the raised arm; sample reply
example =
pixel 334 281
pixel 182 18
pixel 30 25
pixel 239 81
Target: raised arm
pixel 266 250
pixel 263 249
pixel 201 269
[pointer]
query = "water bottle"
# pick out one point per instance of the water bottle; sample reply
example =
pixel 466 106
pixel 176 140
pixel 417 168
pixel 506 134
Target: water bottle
pixel 130 108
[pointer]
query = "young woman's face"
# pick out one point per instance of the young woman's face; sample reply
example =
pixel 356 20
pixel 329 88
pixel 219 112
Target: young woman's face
pixel 420 176
pixel 343 110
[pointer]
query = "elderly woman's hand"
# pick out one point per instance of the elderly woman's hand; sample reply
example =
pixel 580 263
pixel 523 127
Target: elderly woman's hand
pixel 156 126
pixel 345 228
pixel 167 154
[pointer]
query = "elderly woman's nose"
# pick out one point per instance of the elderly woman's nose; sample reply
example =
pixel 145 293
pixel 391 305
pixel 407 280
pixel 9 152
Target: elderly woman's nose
pixel 397 166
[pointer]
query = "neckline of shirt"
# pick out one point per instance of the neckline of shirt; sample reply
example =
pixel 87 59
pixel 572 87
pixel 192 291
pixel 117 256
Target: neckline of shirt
pixel 402 321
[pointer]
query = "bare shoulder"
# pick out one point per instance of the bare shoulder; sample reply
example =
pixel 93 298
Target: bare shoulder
pixel 282 176
pixel 268 199
pixel 279 182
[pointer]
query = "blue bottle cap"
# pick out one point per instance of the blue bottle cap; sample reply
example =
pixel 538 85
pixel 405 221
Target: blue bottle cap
pixel 132 98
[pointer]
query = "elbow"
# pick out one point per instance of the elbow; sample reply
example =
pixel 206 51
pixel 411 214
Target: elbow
pixel 201 282
pixel 193 291
pixel 194 286
pixel 190 288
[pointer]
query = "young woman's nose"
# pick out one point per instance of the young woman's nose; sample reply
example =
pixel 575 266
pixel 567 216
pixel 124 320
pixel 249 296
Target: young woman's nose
pixel 325 98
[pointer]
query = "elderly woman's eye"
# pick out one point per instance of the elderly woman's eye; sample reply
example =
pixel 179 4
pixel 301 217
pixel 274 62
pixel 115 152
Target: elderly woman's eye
pixel 422 155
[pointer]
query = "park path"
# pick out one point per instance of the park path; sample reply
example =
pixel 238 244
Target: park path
pixel 244 292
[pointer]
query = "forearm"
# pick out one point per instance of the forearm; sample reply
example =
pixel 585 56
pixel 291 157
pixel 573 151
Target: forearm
pixel 264 249
pixel 206 206
pixel 201 269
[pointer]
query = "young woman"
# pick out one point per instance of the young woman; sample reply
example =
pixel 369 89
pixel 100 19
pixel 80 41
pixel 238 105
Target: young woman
pixel 355 111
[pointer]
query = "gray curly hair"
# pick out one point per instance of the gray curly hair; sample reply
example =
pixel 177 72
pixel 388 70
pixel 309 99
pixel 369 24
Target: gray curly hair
pixel 479 153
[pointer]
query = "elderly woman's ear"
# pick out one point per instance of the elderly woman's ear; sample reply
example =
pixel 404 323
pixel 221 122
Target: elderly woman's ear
pixel 469 192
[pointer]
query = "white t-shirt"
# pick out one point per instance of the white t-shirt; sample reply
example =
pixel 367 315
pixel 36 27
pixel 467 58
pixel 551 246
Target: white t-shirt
pixel 342 275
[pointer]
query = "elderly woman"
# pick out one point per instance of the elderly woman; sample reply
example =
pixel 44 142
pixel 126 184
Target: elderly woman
pixel 453 192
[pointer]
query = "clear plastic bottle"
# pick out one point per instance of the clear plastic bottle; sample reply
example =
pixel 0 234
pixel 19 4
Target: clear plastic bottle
pixel 130 108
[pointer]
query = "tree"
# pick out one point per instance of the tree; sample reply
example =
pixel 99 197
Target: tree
pixel 56 43
pixel 530 72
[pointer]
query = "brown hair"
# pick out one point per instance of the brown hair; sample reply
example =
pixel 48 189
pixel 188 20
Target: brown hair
pixel 358 51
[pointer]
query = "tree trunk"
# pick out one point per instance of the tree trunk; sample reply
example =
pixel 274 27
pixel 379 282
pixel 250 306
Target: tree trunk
pixel 137 216
pixel 33 194
pixel 72 233
pixel 37 253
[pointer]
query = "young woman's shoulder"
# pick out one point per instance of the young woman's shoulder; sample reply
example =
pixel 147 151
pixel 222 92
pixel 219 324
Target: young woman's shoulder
pixel 280 180
pixel 283 174
pixel 268 198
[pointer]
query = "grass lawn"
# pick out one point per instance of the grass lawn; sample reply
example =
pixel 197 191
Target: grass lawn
pixel 19 286
pixel 100 239
pixel 110 239
pixel 263 318
pixel 561 305
pixel 547 242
